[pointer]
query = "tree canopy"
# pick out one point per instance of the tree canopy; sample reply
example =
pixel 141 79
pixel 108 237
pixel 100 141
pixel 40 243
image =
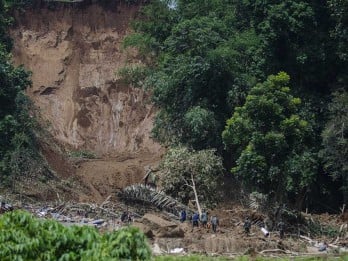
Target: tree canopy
pixel 270 141
pixel 183 168
pixel 210 59
pixel 335 140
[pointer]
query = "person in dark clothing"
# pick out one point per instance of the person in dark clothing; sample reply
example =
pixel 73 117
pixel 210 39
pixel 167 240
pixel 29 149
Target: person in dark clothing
pixel 204 219
pixel 323 247
pixel 124 216
pixel 129 218
pixel 281 229
pixel 195 220
pixel 247 226
pixel 183 216
pixel 214 223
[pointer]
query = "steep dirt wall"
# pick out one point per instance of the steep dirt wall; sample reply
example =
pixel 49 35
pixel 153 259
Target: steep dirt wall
pixel 74 54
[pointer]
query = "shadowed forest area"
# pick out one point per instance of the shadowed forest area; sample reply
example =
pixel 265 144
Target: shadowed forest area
pixel 263 83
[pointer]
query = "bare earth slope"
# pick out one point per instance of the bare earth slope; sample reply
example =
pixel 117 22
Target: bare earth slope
pixel 74 54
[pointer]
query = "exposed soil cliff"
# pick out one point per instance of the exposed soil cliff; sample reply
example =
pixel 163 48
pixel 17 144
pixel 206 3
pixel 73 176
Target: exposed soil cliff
pixel 74 54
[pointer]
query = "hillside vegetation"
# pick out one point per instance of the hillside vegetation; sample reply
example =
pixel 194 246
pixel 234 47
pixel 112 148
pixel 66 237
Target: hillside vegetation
pixel 262 83
pixel 19 155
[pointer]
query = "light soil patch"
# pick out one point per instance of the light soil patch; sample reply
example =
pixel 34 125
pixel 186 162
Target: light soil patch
pixel 107 176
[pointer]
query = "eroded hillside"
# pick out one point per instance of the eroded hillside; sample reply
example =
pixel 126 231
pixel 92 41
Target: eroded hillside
pixel 74 54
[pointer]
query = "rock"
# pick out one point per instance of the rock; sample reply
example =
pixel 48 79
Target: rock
pixel 162 227
pixel 145 229
pixel 157 250
pixel 170 232
pixel 156 222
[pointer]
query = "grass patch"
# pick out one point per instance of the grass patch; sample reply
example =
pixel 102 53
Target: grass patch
pixel 84 154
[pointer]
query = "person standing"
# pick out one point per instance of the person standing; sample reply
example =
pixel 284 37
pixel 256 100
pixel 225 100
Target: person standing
pixel 247 226
pixel 183 216
pixel 124 216
pixel 195 220
pixel 214 223
pixel 204 218
pixel 281 229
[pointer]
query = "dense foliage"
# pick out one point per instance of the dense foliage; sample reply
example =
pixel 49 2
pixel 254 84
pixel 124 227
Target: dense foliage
pixel 18 148
pixel 24 237
pixel 271 143
pixel 182 168
pixel 209 59
pixel 335 140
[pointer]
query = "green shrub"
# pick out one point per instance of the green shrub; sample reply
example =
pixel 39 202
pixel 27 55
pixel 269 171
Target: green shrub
pixel 133 75
pixel 82 154
pixel 24 237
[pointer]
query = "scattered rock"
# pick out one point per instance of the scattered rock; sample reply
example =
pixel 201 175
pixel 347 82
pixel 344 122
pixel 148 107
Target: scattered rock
pixel 162 227
pixel 146 229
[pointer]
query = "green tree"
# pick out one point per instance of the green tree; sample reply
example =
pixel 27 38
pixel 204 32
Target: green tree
pixel 202 63
pixel 296 36
pixel 186 84
pixel 154 26
pixel 335 140
pixel 270 142
pixel 188 174
pixel 339 13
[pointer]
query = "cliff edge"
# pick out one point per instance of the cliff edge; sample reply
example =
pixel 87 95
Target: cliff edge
pixel 74 54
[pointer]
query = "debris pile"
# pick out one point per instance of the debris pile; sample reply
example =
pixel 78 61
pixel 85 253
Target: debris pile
pixel 235 234
pixel 147 195
pixel 4 207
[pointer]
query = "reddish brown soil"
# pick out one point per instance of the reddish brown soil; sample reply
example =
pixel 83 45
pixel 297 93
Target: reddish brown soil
pixel 106 177
pixel 74 54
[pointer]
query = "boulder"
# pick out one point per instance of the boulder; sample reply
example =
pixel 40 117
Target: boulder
pixel 145 229
pixel 162 227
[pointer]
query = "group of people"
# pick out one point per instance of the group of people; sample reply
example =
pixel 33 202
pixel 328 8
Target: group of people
pixel 203 220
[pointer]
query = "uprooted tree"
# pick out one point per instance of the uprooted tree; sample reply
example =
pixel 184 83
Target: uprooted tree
pixel 187 174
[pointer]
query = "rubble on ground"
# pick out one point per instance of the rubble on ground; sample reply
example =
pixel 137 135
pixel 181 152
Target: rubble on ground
pixel 168 235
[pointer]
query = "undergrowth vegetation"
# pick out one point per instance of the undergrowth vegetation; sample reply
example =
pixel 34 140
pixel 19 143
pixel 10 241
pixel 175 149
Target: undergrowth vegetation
pixel 24 237
pixel 84 154
pixel 19 149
